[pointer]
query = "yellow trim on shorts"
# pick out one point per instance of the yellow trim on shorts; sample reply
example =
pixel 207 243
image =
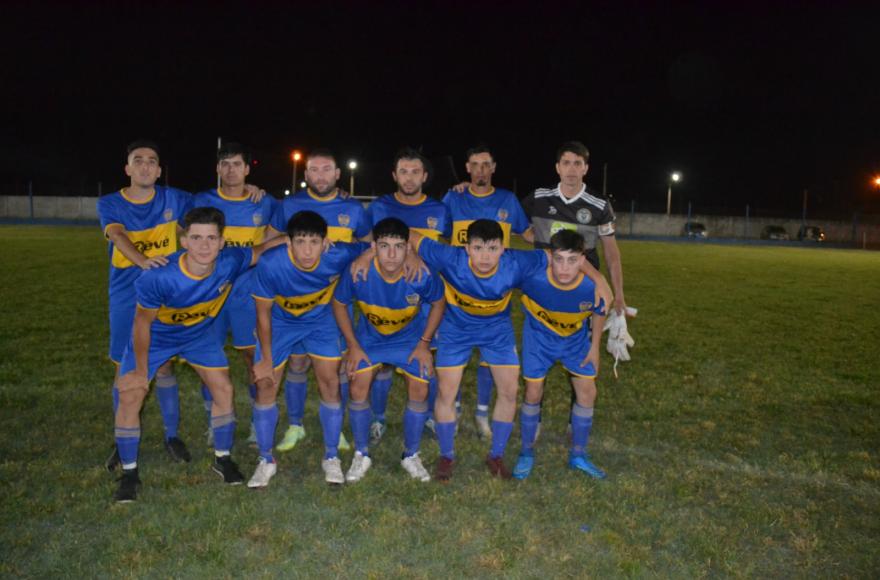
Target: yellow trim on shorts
pixel 525 378
pixel 451 367
pixel 504 366
pixel 244 347
pixel 412 376
pixel 194 365
pixel 278 367
pixel 369 368
pixel 582 376
pixel 318 356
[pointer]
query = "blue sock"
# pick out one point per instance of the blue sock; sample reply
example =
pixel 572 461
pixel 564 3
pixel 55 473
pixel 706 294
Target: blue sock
pixel 295 389
pixel 446 438
pixel 529 417
pixel 224 431
pixel 265 421
pixel 343 390
pixel 414 417
pixel 209 401
pixel 581 425
pixel 115 393
pixel 432 394
pixel 500 434
pixel 127 441
pixel 484 390
pixel 379 393
pixel 331 425
pixel 252 391
pixel 169 403
pixel 359 416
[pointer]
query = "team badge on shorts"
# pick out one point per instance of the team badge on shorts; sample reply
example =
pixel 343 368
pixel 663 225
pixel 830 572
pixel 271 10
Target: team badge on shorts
pixel 584 306
pixel 343 219
pixel 432 223
pixel 412 299
pixel 584 216
pixel 257 219
pixel 502 215
pixel 169 213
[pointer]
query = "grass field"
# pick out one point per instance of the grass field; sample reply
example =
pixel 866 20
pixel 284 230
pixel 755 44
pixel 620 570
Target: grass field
pixel 742 440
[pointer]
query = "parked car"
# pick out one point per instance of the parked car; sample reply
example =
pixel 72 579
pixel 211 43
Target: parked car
pixel 811 234
pixel 695 230
pixel 774 233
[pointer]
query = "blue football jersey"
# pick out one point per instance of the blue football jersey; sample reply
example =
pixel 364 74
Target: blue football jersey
pixel 428 216
pixel 346 218
pixel 555 309
pixel 246 221
pixel 499 205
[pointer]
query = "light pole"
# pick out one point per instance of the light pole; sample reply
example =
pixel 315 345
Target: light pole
pixel 674 178
pixel 295 156
pixel 352 165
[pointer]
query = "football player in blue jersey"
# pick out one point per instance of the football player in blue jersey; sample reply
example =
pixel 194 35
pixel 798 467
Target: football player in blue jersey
pixel 424 215
pixel 176 308
pixel 479 199
pixel 478 281
pixel 246 223
pixel 394 330
pixel 293 286
pixel 346 222
pixel 557 304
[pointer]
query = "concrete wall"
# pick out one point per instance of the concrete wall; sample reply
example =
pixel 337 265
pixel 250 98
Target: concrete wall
pixel 639 224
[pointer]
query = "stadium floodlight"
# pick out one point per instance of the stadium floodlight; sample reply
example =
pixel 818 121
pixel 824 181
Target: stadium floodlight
pixel 286 192
pixel 877 181
pixel 302 184
pixel 352 165
pixel 674 178
pixel 295 156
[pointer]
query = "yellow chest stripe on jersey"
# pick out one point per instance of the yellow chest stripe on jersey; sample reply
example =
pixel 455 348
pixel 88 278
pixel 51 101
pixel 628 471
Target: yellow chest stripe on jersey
pixel 191 315
pixel 562 323
pixel 243 236
pixel 428 233
pixel 299 305
pixel 388 320
pixel 475 306
pixel 459 232
pixel 339 234
pixel 158 241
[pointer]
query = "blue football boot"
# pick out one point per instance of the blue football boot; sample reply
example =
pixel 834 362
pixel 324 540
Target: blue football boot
pixel 523 466
pixel 583 463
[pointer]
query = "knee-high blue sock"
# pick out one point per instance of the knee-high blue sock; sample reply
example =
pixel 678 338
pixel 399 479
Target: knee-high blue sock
pixel 484 390
pixel 224 431
pixel 208 400
pixel 265 421
pixel 414 417
pixel 331 425
pixel 500 434
pixel 295 389
pixel 446 438
pixel 432 394
pixel 127 441
pixel 169 403
pixel 581 425
pixel 379 393
pixel 359 416
pixel 529 417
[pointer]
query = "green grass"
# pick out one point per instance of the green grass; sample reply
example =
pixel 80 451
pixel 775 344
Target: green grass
pixel 742 440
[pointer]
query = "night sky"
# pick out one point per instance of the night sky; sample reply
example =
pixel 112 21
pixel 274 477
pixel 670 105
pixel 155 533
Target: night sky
pixel 751 102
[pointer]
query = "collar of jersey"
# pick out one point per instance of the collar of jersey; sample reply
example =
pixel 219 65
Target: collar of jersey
pixel 579 195
pixel 379 271
pixel 297 266
pixel 227 198
pixel 318 198
pixel 129 200
pixel 404 202
pixel 574 283
pixel 478 275
pixel 475 194
pixel 182 263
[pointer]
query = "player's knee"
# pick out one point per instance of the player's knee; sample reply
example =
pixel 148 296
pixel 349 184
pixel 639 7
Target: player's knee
pixel 417 391
pixel 298 364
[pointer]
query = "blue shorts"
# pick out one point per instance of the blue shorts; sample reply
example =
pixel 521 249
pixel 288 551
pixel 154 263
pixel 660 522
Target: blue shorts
pixel 204 352
pixel 496 341
pixel 395 353
pixel 320 339
pixel 121 324
pixel 239 315
pixel 541 350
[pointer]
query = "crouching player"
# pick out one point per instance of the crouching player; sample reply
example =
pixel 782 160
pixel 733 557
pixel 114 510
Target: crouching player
pixel 293 286
pixel 395 330
pixel 479 280
pixel 176 308
pixel 557 303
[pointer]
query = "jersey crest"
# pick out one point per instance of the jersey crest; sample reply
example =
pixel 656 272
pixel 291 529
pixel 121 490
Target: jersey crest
pixel 432 223
pixel 257 219
pixel 583 215
pixel 344 219
pixel 412 299
pixel 168 214
pixel 502 215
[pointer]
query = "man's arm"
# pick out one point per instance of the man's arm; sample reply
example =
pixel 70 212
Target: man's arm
pixel 119 237
pixel 615 269
pixel 422 351
pixel 263 369
pixel 355 352
pixel 529 235
pixel 603 290
pixel 593 354
pixel 260 249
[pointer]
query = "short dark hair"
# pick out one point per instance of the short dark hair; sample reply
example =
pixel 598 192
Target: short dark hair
pixel 231 149
pixel 204 215
pixel 141 144
pixel 390 228
pixel 307 223
pixel 575 147
pixel 410 154
pixel 567 240
pixel 322 152
pixel 486 230
pixel 477 149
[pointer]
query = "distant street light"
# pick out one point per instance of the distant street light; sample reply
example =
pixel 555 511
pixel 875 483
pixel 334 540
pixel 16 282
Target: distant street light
pixel 302 184
pixel 352 165
pixel 295 156
pixel 286 192
pixel 674 178
pixel 877 181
